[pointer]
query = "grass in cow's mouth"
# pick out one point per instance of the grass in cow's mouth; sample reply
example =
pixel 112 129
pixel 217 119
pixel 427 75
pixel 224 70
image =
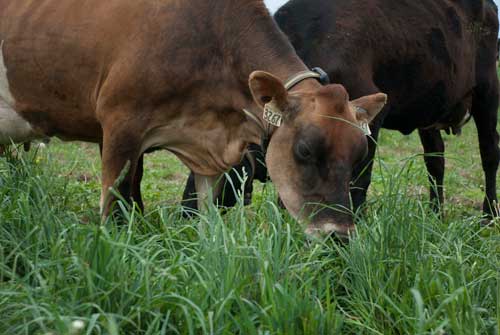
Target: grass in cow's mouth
pixel 251 271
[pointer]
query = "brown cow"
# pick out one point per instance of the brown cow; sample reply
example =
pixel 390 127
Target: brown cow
pixel 141 75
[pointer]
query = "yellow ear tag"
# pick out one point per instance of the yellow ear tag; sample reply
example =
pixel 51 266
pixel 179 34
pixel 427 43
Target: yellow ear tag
pixel 366 128
pixel 272 115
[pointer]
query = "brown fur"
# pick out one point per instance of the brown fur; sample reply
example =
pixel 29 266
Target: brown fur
pixel 116 72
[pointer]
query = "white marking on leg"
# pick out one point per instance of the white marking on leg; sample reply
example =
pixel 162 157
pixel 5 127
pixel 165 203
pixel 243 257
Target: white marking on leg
pixel 101 203
pixel 13 128
pixel 466 118
pixel 207 190
pixel 41 146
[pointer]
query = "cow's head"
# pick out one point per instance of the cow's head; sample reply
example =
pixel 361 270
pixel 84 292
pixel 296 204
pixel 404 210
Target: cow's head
pixel 312 153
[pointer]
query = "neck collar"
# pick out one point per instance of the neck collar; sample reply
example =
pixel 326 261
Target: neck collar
pixel 316 73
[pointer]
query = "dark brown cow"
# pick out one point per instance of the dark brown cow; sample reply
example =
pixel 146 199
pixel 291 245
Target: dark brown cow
pixel 141 75
pixel 435 59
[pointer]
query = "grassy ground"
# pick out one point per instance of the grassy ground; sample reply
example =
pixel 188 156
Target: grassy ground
pixel 251 271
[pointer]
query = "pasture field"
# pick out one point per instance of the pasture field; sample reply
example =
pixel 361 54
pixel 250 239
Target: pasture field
pixel 251 270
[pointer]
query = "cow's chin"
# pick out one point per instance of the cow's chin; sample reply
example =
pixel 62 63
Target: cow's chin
pixel 331 228
pixel 317 228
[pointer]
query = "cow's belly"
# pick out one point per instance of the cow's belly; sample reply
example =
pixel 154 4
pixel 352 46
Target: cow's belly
pixel 13 128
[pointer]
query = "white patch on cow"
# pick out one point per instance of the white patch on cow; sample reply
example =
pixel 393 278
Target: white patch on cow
pixel 207 190
pixel 13 128
pixel 466 118
pixel 101 203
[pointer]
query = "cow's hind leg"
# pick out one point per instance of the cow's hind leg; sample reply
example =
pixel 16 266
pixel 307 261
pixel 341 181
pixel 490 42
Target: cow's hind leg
pixel 434 161
pixel 484 111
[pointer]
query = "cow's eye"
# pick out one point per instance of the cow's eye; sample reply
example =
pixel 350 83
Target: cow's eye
pixel 303 151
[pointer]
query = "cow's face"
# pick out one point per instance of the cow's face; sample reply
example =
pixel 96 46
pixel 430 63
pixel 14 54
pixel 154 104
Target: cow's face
pixel 312 154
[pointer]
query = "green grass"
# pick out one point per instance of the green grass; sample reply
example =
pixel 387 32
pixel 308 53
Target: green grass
pixel 250 271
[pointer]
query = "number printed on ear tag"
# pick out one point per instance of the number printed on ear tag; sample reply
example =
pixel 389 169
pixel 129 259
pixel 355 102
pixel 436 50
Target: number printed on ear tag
pixel 273 115
pixel 366 128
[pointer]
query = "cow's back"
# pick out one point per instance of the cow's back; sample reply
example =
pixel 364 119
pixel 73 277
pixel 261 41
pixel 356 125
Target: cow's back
pixel 424 54
pixel 65 59
pixel 56 56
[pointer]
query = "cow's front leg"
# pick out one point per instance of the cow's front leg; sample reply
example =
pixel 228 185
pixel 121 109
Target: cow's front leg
pixel 358 86
pixel 136 183
pixel 207 190
pixel 189 199
pixel 434 161
pixel 362 173
pixel 121 153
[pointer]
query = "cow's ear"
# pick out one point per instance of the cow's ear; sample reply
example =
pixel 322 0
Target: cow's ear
pixel 368 107
pixel 266 88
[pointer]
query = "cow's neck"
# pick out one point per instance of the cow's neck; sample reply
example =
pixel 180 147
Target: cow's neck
pixel 248 43
pixel 260 45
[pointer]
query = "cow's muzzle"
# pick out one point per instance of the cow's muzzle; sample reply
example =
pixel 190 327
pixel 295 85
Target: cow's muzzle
pixel 342 231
